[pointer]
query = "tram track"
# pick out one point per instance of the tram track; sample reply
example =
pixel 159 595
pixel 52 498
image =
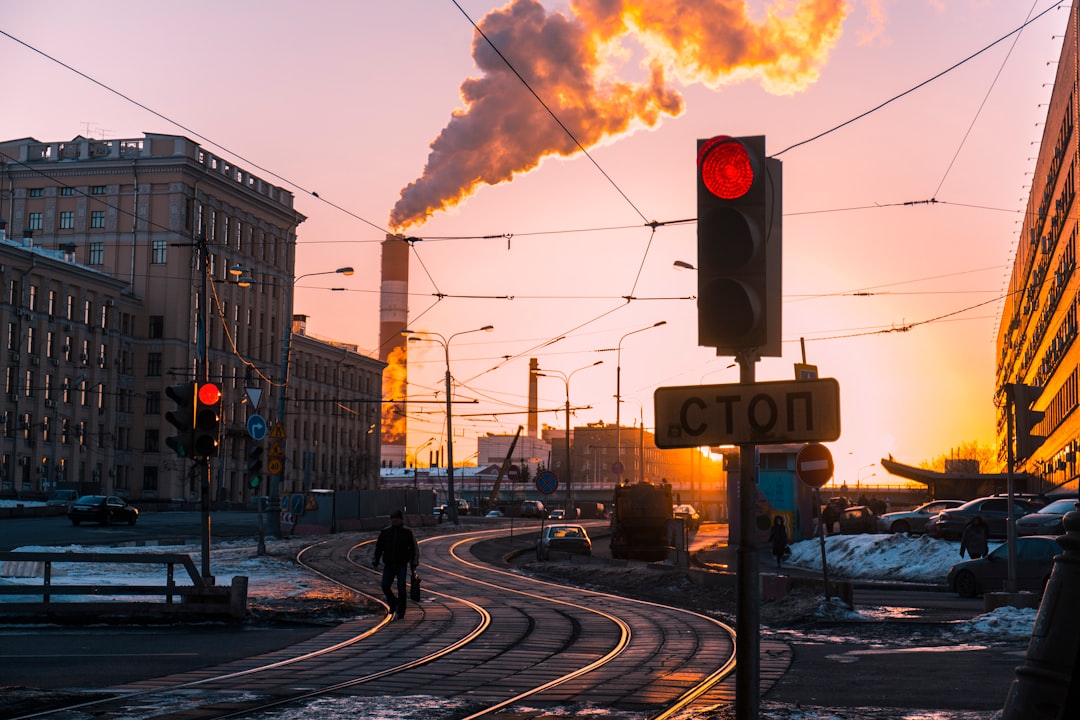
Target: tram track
pixel 485 639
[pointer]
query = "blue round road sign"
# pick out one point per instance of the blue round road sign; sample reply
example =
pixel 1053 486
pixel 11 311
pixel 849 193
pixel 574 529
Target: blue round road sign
pixel 546 482
pixel 256 427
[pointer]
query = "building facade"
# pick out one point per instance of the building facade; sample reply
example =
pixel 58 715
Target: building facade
pixel 1036 342
pixel 169 228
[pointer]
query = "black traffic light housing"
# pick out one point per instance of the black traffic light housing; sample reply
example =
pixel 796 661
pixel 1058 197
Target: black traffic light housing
pixel 255 464
pixel 207 421
pixel 182 418
pixel 739 214
pixel 1026 419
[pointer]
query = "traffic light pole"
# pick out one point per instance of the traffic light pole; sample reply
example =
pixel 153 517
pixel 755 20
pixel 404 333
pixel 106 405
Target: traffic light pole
pixel 747 603
pixel 203 375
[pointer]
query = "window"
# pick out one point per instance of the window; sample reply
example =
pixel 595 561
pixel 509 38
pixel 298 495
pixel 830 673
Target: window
pixel 36 192
pixel 52 303
pixel 33 298
pixel 97 190
pixel 156 330
pixel 153 402
pixel 67 220
pixel 67 191
pixel 153 364
pixel 158 255
pixel 97 218
pixel 150 440
pixel 97 253
pixel 33 221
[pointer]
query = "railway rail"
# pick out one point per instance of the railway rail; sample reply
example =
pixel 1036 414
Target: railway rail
pixel 484 643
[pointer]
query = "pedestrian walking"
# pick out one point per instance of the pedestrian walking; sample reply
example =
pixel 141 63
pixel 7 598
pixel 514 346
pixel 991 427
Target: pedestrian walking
pixel 778 539
pixel 397 548
pixel 974 539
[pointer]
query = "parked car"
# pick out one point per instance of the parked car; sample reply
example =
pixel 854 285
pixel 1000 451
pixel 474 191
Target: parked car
pixel 104 509
pixel 563 538
pixel 494 513
pixel 950 524
pixel 61 498
pixel 1034 562
pixel 533 508
pixel 857 519
pixel 1048 520
pixel 688 515
pixel 914 521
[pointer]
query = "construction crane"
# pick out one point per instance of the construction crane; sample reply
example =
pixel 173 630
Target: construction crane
pixel 493 498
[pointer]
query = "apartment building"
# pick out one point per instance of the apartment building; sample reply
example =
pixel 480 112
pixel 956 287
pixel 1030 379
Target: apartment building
pixel 124 224
pixel 1036 342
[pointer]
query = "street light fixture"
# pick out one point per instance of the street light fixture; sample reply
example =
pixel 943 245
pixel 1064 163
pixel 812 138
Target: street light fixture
pixel 451 501
pixel 275 482
pixel 572 507
pixel 858 475
pixel 618 398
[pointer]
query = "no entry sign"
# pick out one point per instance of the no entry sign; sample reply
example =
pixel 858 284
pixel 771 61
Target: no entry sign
pixel 814 465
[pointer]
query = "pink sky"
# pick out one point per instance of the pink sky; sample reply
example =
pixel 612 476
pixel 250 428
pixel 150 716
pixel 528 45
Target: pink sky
pixel 345 99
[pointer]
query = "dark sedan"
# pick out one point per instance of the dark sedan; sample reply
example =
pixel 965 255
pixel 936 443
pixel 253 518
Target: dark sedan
pixel 104 509
pixel 857 519
pixel 993 510
pixel 1034 562
pixel 1048 520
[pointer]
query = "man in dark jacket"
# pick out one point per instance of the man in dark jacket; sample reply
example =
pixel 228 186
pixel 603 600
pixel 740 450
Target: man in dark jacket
pixel 397 547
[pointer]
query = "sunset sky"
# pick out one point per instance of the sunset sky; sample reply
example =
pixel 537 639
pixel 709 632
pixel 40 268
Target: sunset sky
pixel 899 227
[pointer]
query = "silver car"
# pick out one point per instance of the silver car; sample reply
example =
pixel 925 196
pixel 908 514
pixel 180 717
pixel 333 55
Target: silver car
pixel 914 521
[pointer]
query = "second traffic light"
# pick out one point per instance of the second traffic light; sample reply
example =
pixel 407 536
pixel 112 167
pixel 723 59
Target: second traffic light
pixel 255 465
pixel 739 246
pixel 1026 418
pixel 182 418
pixel 207 421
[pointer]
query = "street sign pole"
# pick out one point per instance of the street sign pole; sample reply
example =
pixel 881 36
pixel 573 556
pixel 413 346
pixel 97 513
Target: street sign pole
pixel 747 610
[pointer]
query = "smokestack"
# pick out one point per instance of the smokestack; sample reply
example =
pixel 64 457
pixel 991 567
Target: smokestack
pixel 393 316
pixel 533 367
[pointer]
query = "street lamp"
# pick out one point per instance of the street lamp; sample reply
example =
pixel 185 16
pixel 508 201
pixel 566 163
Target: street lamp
pixel 858 475
pixel 275 482
pixel 572 509
pixel 451 501
pixel 618 398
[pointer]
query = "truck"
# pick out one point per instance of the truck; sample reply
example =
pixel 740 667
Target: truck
pixel 639 520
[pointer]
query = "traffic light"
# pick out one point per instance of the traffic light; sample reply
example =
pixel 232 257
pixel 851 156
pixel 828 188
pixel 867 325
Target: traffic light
pixel 739 246
pixel 182 418
pixel 207 421
pixel 1025 420
pixel 255 465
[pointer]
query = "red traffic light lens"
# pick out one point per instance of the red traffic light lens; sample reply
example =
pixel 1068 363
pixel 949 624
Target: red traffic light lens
pixel 725 167
pixel 209 394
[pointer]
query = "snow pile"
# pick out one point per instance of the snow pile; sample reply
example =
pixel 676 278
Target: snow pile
pixel 907 558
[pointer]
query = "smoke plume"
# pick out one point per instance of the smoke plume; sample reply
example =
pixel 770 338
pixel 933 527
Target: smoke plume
pixel 571 61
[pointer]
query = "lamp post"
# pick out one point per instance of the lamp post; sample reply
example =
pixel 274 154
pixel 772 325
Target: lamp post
pixel 451 501
pixel 572 509
pixel 618 398
pixel 275 480
pixel 858 475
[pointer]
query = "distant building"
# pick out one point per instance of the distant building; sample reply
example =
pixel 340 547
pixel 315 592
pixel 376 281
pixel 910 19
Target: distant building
pixel 103 305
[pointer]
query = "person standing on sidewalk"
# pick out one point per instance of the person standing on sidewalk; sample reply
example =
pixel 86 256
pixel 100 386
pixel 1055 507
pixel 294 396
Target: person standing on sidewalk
pixel 975 537
pixel 397 547
pixel 778 539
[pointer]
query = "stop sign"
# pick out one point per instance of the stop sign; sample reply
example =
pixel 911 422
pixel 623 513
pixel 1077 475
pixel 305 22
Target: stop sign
pixel 814 465
pixel 512 473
